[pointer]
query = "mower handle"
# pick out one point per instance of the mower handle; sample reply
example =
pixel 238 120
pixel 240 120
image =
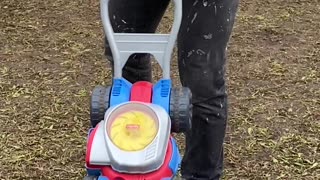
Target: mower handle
pixel 123 45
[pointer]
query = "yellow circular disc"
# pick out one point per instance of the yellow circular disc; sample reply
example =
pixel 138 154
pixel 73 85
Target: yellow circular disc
pixel 133 130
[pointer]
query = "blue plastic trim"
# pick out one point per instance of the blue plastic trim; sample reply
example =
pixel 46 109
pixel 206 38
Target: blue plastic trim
pixel 161 94
pixel 120 91
pixel 93 172
pixel 176 157
pixel 102 178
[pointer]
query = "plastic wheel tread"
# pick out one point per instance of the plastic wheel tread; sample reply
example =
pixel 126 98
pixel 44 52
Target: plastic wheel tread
pixel 180 109
pixel 99 104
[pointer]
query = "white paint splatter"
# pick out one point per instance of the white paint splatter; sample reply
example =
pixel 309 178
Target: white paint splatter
pixel 205 73
pixel 190 53
pixel 195 3
pixel 207 36
pixel 200 52
pixel 208 56
pixel 205 3
pixel 183 62
pixel 194 17
pixel 215 9
pixel 211 4
pixel 134 56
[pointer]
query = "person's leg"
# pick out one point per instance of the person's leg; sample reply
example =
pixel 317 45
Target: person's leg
pixel 202 42
pixel 136 16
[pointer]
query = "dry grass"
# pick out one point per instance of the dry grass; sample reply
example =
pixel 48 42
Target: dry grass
pixel 51 58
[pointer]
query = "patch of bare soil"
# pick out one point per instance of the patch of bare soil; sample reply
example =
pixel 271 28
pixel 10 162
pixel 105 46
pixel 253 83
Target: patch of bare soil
pixel 51 57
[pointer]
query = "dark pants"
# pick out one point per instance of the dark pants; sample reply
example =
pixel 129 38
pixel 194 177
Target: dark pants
pixel 202 41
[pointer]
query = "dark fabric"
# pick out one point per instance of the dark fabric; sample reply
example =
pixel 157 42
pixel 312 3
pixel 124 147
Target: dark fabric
pixel 202 42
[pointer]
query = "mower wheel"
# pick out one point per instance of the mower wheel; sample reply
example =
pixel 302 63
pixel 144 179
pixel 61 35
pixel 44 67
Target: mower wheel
pixel 180 109
pixel 99 104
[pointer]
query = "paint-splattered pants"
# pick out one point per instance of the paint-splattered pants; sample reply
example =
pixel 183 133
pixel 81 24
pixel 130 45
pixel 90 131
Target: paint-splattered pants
pixel 202 41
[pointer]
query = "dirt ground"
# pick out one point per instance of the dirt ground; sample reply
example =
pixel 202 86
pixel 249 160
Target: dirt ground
pixel 51 57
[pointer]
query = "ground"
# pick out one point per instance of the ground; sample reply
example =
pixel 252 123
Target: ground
pixel 51 57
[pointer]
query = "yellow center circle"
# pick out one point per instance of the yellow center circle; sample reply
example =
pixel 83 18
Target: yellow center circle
pixel 133 130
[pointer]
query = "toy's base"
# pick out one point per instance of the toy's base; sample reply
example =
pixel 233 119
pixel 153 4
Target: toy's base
pixel 105 178
pixel 166 172
pixel 176 102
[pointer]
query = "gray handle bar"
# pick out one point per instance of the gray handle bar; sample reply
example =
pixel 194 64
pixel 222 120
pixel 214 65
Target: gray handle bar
pixel 123 45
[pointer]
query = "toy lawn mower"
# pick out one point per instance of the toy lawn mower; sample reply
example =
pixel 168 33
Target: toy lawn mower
pixel 130 138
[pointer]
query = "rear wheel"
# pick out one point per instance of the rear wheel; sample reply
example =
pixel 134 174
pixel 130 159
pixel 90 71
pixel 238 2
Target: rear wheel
pixel 99 104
